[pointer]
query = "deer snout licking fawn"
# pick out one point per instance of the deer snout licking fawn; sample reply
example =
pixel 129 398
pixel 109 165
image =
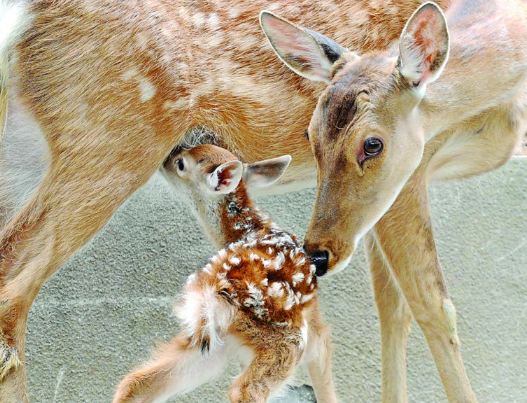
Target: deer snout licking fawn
pixel 255 300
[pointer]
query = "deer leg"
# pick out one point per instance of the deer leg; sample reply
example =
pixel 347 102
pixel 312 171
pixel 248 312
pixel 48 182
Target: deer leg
pixel 318 355
pixel 176 368
pixel 267 372
pixel 405 236
pixel 76 198
pixel 395 318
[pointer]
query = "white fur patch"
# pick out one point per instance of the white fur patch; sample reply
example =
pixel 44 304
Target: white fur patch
pixel 300 262
pixel 306 298
pixel 202 304
pixel 146 89
pixel 176 105
pixel 304 333
pixel 297 278
pixel 213 21
pixel 234 12
pixel 11 23
pixel 276 290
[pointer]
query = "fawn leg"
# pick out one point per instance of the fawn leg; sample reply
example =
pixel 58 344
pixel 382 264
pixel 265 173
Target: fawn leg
pixel 269 369
pixel 406 239
pixel 176 368
pixel 318 355
pixel 395 318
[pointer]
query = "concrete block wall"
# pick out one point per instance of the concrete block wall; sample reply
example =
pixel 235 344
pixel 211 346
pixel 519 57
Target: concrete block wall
pixel 102 313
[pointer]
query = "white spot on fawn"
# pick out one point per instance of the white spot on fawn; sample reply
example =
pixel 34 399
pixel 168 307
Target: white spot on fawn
pixel 235 260
pixel 306 298
pixel 297 278
pixel 301 262
pixel 267 263
pixel 276 290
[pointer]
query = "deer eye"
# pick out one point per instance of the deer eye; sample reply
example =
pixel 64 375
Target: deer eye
pixel 373 146
pixel 180 164
pixel 306 135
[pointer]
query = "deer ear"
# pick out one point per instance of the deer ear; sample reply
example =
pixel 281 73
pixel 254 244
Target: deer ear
pixel 265 173
pixel 424 46
pixel 307 53
pixel 225 178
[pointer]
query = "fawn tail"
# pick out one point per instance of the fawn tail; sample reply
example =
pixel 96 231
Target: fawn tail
pixel 205 312
pixel 197 355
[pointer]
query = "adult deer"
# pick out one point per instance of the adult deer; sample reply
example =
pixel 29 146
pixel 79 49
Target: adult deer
pixel 113 86
pixel 387 124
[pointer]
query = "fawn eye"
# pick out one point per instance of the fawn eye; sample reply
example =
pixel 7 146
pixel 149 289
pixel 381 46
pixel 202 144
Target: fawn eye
pixel 306 135
pixel 179 164
pixel 373 146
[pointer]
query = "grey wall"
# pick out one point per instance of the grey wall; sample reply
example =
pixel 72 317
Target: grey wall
pixel 102 313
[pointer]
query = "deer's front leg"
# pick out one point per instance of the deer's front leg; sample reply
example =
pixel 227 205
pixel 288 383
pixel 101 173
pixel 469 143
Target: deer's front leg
pixel 395 318
pixel 318 355
pixel 76 198
pixel 406 238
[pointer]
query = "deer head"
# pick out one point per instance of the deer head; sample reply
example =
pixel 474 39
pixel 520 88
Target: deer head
pixel 204 175
pixel 367 129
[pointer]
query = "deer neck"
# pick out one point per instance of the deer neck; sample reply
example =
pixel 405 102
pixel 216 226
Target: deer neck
pixel 234 217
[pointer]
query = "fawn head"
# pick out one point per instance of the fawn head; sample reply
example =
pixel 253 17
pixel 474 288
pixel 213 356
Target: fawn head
pixel 205 174
pixel 366 131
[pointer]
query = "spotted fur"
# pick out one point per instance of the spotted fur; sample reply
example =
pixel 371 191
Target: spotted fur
pixel 258 291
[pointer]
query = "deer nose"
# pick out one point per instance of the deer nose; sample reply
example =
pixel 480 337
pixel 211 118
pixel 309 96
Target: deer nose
pixel 320 260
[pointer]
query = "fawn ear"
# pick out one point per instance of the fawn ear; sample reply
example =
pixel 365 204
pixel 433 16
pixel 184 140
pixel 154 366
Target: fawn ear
pixel 225 178
pixel 265 173
pixel 424 46
pixel 307 53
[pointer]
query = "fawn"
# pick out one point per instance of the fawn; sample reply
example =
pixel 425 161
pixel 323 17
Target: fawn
pixel 255 300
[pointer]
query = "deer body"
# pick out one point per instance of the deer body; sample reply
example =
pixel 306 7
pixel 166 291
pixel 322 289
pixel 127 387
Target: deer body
pixel 257 294
pixel 112 87
pixel 387 125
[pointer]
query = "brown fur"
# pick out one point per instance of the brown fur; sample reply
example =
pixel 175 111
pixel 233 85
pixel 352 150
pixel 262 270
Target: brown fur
pixel 465 123
pixel 242 301
pixel 86 71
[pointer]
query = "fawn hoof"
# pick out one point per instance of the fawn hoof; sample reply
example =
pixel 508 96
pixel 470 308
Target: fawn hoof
pixel 9 359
